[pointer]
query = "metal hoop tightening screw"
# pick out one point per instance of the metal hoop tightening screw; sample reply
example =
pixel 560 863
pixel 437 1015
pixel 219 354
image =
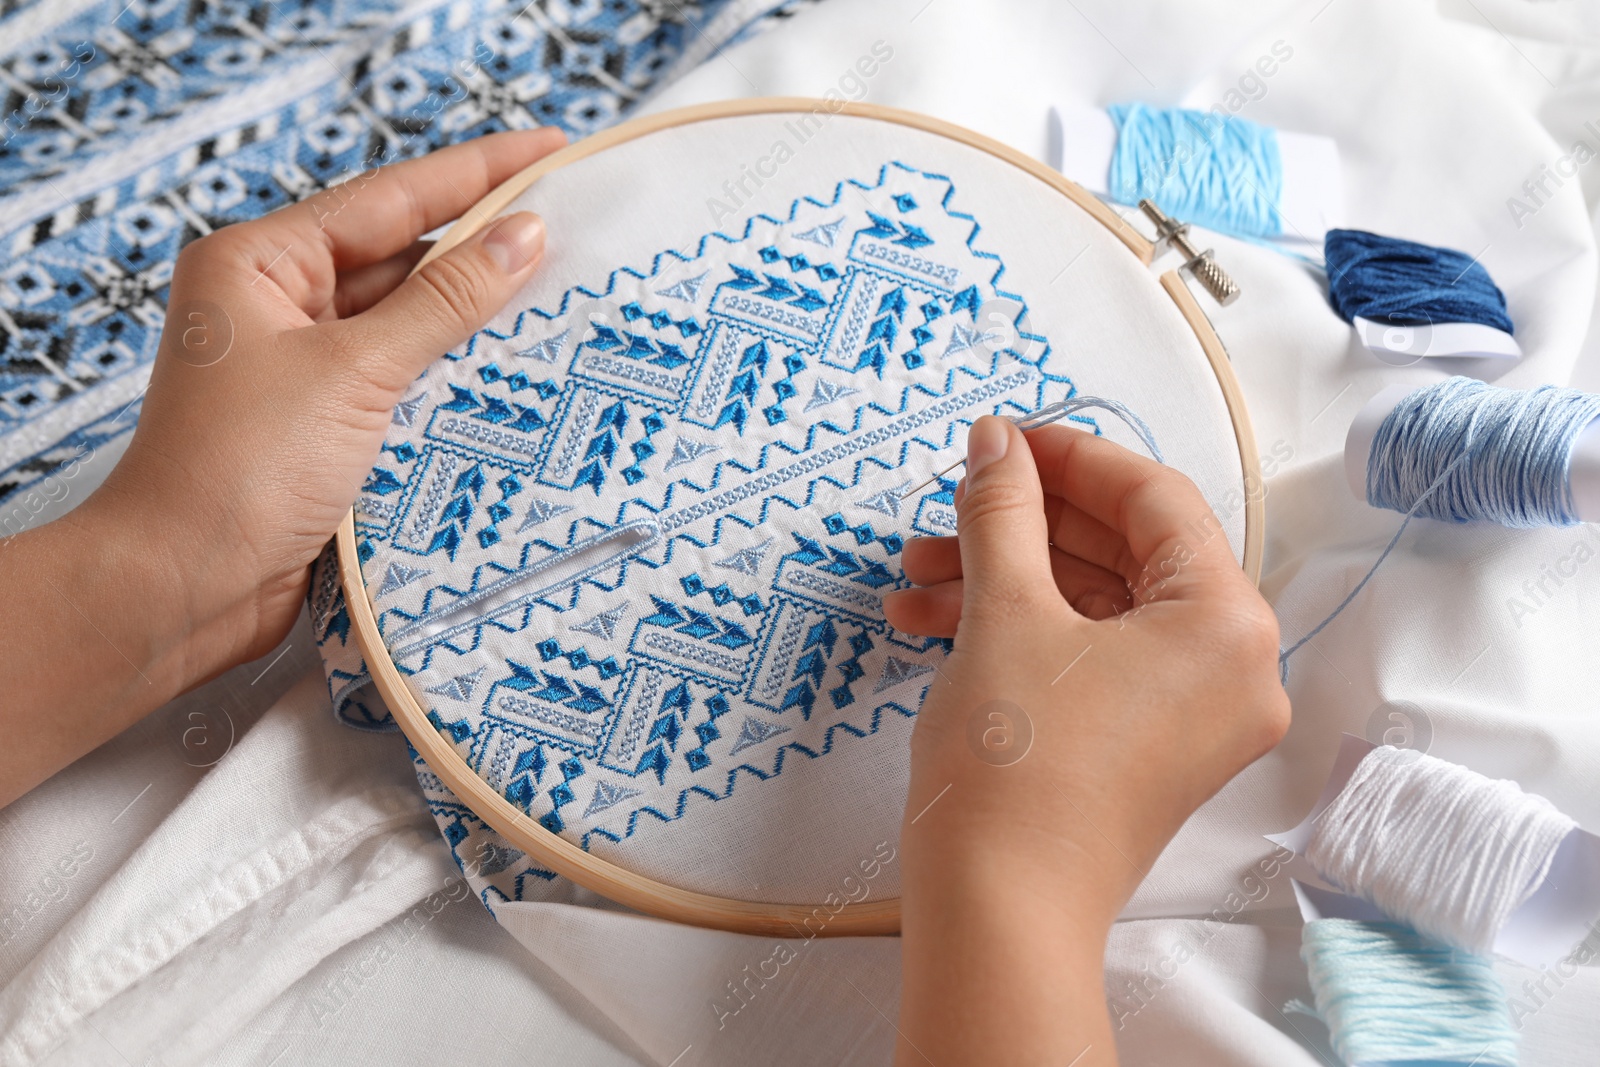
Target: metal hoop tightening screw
pixel 1170 233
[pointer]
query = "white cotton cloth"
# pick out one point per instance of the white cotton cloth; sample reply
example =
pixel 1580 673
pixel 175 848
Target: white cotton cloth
pixel 265 911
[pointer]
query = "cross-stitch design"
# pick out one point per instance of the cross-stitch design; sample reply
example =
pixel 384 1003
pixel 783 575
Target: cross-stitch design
pixel 131 127
pixel 630 551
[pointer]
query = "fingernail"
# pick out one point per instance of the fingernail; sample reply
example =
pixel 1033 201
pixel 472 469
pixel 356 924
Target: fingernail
pixel 515 241
pixel 986 442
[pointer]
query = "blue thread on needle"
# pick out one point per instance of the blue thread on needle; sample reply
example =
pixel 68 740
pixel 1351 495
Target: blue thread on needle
pixel 1056 412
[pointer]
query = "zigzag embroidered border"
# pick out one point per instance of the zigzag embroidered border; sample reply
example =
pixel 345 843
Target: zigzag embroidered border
pixel 567 439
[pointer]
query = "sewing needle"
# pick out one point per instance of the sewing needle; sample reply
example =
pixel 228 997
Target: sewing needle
pixel 935 478
pixel 1029 421
pixel 1032 420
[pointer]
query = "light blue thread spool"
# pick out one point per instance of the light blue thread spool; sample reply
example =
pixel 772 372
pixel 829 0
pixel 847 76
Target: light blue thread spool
pixel 1388 995
pixel 1222 173
pixel 1461 450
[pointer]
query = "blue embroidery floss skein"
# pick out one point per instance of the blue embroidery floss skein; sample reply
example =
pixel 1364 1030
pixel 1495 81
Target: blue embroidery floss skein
pixel 1386 279
pixel 1411 300
pixel 1222 173
pixel 1389 995
pixel 1461 450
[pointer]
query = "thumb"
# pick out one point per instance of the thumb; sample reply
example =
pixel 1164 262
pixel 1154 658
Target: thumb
pixel 448 298
pixel 1005 545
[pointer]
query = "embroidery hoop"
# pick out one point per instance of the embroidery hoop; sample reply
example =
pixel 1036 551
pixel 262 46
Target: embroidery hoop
pixel 569 860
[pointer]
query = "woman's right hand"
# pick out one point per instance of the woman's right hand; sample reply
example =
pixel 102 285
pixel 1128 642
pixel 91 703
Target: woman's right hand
pixel 1094 602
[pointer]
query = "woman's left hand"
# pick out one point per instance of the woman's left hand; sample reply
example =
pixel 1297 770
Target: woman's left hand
pixel 288 342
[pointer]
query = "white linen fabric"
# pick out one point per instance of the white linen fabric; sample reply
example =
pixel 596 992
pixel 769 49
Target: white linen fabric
pixel 292 905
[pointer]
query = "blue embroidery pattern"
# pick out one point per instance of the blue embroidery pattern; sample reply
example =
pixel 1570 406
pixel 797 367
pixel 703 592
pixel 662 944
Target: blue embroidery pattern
pixel 631 550
pixel 134 126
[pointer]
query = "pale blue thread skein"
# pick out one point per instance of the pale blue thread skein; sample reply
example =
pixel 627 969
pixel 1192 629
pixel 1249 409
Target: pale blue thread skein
pixel 1461 450
pixel 1465 451
pixel 1063 408
pixel 1222 173
pixel 1389 995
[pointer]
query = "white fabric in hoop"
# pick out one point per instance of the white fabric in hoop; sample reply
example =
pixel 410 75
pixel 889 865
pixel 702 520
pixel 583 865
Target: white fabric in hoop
pixel 628 543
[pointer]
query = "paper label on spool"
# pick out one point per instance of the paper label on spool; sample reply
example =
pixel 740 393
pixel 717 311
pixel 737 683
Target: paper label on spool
pixel 1401 345
pixel 1082 140
pixel 1363 431
pixel 1313 190
pixel 1540 933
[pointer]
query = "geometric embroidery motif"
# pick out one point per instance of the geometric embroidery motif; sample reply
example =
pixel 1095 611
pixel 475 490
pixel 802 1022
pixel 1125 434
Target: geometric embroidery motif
pixel 821 235
pixel 541 511
pixel 825 392
pixel 398 576
pixel 650 575
pixel 139 153
pixel 747 560
pixel 604 624
pixel 687 290
pixel 754 731
pixel 547 349
pixel 607 795
pixel 897 671
pixel 458 688
pixel 888 501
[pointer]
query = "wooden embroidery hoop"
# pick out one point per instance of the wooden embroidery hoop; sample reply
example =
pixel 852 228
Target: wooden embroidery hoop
pixel 569 860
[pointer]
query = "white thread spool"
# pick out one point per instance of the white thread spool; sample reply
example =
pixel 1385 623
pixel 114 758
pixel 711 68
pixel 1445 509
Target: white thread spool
pixel 1584 470
pixel 1446 850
